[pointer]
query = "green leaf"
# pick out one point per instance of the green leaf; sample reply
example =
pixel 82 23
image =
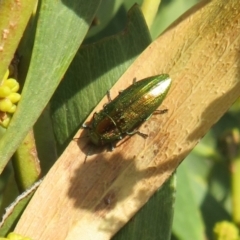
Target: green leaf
pixel 61 28
pixel 13 212
pixel 187 215
pixel 165 18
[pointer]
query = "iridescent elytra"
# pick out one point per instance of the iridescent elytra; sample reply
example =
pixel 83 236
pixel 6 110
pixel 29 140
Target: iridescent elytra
pixel 124 114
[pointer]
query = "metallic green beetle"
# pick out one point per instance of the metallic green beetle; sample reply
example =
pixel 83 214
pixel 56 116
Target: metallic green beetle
pixel 124 114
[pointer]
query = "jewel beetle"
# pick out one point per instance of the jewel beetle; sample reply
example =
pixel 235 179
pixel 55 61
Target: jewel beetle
pixel 123 115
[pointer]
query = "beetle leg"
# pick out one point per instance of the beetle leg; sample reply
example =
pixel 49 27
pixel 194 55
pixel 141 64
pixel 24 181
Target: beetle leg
pixel 160 111
pixel 137 132
pixel 109 96
pixel 87 155
pixel 109 99
pixel 95 115
pixel 112 146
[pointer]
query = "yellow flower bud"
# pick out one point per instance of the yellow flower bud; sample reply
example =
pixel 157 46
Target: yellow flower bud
pixel 5 122
pixel 225 230
pixel 15 236
pixel 14 97
pixel 12 84
pixel 12 109
pixel 5 105
pixel 4 91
